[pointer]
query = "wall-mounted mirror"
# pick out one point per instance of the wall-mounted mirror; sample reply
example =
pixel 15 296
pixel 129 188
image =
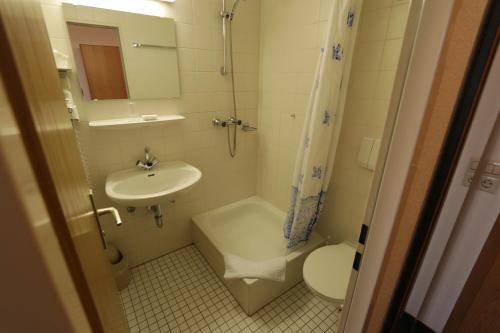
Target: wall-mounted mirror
pixel 121 55
pixel 98 59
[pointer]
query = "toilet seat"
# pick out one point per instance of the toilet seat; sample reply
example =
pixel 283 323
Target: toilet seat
pixel 327 271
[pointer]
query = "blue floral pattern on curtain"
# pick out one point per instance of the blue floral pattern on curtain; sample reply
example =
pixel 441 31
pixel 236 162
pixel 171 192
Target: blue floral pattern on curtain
pixel 316 152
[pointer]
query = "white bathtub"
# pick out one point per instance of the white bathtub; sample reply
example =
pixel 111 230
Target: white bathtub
pixel 251 229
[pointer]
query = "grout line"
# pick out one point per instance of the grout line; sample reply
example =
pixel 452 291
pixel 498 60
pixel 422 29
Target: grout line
pixel 182 286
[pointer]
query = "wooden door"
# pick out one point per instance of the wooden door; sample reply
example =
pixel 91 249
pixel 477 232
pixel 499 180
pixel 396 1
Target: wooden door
pixel 478 307
pixel 32 87
pixel 104 71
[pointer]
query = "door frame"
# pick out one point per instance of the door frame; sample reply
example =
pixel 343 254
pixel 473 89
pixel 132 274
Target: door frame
pixel 481 61
pixel 407 49
pixel 446 37
pixel 485 264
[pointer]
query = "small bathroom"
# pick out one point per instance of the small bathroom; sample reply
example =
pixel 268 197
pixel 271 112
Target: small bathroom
pixel 213 132
pixel 233 154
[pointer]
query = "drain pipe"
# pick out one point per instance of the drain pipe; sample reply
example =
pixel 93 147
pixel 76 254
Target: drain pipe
pixel 158 215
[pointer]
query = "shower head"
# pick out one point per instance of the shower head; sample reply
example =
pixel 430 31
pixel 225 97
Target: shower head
pixel 233 9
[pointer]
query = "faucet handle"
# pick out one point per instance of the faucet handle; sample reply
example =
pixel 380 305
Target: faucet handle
pixel 153 163
pixel 146 149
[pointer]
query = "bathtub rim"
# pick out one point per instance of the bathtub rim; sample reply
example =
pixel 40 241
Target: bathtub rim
pixel 203 220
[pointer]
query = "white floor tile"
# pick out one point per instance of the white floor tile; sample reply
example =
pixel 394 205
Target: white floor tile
pixel 179 292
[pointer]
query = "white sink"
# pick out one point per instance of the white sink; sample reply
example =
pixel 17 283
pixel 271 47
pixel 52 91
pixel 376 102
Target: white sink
pixel 136 188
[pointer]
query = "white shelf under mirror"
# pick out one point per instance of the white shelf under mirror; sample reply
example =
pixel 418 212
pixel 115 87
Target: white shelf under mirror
pixel 133 121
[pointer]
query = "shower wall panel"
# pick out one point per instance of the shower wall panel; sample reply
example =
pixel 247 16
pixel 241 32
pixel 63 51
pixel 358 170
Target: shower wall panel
pixel 375 59
pixel 291 34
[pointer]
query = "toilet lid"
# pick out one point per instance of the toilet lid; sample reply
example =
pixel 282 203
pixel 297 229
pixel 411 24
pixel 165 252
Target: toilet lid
pixel 327 271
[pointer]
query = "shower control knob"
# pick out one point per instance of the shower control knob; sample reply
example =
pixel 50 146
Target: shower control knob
pixel 218 123
pixel 233 121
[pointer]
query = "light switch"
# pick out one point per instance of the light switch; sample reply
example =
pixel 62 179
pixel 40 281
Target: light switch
pixel 364 152
pixel 372 160
pixel 489 180
pixel 489 183
pixel 496 170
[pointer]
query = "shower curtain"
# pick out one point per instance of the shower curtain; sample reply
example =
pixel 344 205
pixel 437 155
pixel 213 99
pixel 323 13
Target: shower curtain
pixel 315 156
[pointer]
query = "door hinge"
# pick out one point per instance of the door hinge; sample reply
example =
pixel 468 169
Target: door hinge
pixel 363 234
pixel 357 261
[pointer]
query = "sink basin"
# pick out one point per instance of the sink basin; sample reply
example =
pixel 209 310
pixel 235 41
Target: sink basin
pixel 136 188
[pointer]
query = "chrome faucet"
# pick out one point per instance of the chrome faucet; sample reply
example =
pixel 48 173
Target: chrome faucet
pixel 230 121
pixel 148 163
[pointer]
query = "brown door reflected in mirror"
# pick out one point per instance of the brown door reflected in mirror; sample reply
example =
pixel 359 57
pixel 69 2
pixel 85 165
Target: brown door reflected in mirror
pixel 104 71
pixel 98 61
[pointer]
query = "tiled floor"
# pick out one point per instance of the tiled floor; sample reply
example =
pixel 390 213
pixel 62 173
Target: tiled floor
pixel 179 292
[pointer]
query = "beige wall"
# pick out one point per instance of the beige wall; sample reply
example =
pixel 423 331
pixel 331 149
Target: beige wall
pixel 205 94
pixel 375 59
pixel 291 33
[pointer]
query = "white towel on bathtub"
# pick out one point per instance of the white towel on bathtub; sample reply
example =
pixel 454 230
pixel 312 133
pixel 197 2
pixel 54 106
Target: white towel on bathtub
pixel 240 268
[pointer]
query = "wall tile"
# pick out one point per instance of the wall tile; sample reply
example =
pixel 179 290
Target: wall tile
pixel 187 59
pixel 291 32
pixel 189 82
pixel 185 35
pixel 376 56
pixel 245 63
pixel 183 11
pixel 266 158
pixel 325 9
pixel 369 56
pixel 204 10
pixel 205 94
pixel 203 37
pixel 397 21
pixel 365 83
pixel 390 56
pixel 208 60
pixel 385 82
pixel 373 24
pixel 55 21
pixel 370 5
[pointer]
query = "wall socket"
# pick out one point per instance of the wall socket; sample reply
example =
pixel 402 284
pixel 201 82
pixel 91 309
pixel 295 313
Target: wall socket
pixel 490 177
pixel 489 183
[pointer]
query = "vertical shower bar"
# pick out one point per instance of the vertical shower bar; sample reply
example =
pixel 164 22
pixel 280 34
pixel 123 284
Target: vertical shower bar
pixel 223 14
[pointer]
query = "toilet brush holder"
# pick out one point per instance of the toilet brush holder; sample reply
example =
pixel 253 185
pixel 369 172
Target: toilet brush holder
pixel 121 272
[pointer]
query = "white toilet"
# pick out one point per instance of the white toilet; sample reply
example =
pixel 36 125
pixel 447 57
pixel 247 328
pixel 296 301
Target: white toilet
pixel 327 271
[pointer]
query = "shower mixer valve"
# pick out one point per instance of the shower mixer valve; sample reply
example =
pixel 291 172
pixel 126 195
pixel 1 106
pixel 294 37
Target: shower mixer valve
pixel 233 121
pixel 219 123
pixel 228 122
pixel 226 15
